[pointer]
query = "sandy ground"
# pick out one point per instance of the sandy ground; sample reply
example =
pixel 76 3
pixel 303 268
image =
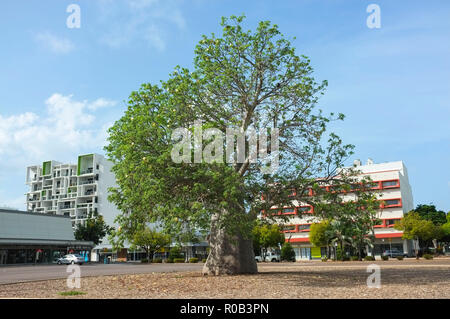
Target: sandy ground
pixel 399 279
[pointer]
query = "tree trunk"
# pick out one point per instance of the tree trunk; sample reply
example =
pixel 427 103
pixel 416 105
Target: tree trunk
pixel 229 255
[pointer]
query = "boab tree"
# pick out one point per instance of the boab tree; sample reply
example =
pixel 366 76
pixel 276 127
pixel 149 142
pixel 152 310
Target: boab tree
pixel 248 81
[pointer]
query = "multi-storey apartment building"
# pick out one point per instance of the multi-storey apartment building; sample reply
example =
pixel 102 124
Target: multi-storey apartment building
pixel 391 182
pixel 75 190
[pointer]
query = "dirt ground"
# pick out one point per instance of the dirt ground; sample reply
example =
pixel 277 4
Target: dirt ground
pixel 399 279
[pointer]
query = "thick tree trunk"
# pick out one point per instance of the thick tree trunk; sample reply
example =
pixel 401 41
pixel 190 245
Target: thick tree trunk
pixel 229 255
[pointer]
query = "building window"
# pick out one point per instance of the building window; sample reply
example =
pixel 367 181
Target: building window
pixel 374 185
pixel 391 222
pixel 304 209
pixel 390 184
pixel 304 228
pixel 287 211
pixel 392 203
pixel 288 229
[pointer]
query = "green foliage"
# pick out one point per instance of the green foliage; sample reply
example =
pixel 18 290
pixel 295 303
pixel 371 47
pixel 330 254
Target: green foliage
pixel 72 293
pixel 354 258
pixel 348 223
pixel 399 257
pixel 178 260
pixel 267 236
pixel 414 227
pixel 340 255
pixel 321 233
pixel 144 260
pixel 445 231
pixel 384 257
pixel 175 252
pixel 193 260
pixel 369 258
pixel 203 260
pixel 240 80
pixel 150 240
pixel 93 230
pixel 287 252
pixel 157 260
pixel 429 212
pixel 428 256
pixel 324 259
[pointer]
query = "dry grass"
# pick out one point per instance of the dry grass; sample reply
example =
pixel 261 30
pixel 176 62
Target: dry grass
pixel 332 280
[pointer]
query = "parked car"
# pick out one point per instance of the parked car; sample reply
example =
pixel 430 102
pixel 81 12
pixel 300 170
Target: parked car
pixel 71 259
pixel 270 256
pixel 394 253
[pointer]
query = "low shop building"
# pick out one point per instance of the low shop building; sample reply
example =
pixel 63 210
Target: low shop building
pixel 34 238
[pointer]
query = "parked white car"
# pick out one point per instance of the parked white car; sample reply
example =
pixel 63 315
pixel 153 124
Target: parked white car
pixel 270 256
pixel 273 257
pixel 71 259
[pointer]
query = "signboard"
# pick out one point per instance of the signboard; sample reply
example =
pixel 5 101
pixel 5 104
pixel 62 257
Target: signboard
pixel 315 252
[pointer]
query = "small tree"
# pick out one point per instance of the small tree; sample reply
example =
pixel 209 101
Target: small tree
pixel 445 231
pixel 175 252
pixel 267 236
pixel 429 212
pixel 321 234
pixel 416 228
pixel 352 221
pixel 94 229
pixel 287 252
pixel 150 241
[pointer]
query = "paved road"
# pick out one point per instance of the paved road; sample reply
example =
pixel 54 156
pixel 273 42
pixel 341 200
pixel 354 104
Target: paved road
pixel 14 274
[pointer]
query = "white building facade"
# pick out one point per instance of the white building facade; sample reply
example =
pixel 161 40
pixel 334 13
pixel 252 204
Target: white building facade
pixel 391 183
pixel 74 190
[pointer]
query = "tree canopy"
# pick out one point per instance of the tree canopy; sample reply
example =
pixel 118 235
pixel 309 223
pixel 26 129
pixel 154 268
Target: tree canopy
pixel 150 241
pixel 94 229
pixel 245 81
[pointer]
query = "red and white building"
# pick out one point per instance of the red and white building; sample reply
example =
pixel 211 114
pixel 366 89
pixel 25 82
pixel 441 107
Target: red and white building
pixel 391 182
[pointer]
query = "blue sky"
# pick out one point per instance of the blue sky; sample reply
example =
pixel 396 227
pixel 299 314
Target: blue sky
pixel 61 88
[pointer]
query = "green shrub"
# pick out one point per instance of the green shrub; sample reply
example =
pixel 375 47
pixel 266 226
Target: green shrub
pixel 203 260
pixel 169 260
pixel 384 257
pixel 157 260
pixel 428 256
pixel 369 258
pixel 193 260
pixel 287 252
pixel 175 252
pixel 354 258
pixel 346 258
pixel 72 293
pixel 399 257
pixel 339 254
pixel 178 260
pixel 324 259
pixel 144 260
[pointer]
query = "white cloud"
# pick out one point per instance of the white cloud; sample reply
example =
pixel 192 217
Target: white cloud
pixel 54 43
pixel 64 129
pixel 155 39
pixel 100 103
pixel 67 127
